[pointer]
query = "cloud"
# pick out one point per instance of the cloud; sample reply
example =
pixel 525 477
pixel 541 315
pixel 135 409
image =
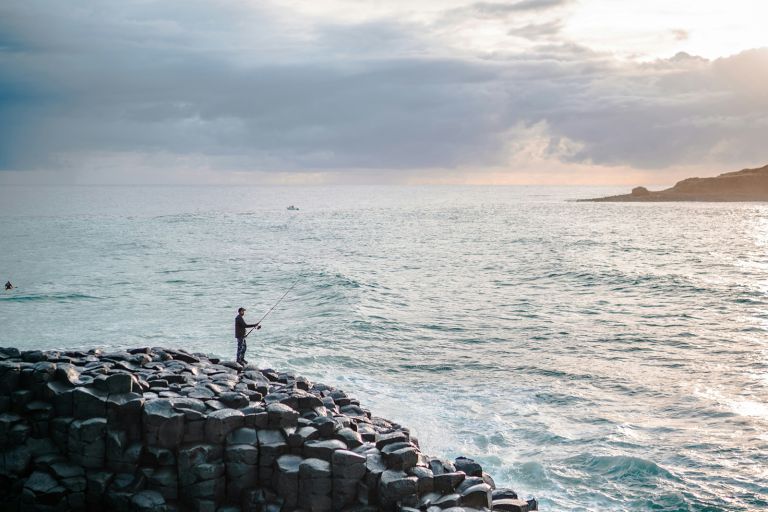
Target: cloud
pixel 535 31
pixel 505 8
pixel 680 34
pixel 203 88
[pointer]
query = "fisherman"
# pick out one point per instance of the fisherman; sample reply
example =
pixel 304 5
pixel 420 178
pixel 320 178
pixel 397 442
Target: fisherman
pixel 240 327
pixel 8 285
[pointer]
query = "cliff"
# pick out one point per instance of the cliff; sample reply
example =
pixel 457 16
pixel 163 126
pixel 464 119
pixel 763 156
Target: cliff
pixel 744 185
pixel 156 430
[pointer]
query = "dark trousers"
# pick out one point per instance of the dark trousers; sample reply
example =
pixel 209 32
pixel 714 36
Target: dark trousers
pixel 241 348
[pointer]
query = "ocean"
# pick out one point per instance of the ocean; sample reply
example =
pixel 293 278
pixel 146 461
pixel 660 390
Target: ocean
pixel 597 356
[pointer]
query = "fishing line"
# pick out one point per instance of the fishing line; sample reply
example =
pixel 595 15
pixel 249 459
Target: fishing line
pixel 258 324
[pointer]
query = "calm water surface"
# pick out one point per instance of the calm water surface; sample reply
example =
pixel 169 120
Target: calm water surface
pixel 596 356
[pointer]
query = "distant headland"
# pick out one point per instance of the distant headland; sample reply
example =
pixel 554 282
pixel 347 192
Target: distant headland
pixel 744 185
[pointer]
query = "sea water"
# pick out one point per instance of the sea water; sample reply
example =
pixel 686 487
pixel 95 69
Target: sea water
pixel 597 356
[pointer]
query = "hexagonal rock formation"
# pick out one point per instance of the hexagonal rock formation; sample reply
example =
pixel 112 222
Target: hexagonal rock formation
pixel 157 430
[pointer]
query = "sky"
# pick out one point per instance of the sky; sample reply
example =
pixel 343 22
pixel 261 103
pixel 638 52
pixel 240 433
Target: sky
pixel 359 91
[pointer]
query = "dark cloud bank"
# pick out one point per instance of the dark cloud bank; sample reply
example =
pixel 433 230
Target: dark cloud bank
pixel 246 88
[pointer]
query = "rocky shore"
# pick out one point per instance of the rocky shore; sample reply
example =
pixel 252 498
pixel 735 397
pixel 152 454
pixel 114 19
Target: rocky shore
pixel 153 429
pixel 744 185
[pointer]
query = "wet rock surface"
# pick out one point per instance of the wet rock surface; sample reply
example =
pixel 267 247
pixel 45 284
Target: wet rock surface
pixel 154 429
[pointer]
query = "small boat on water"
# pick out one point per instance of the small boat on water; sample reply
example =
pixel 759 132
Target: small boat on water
pixel 293 208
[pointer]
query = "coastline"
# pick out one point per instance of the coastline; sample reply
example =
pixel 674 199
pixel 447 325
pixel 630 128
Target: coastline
pixel 747 185
pixel 161 429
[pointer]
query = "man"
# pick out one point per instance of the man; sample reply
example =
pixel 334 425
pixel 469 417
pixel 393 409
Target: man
pixel 240 327
pixel 8 285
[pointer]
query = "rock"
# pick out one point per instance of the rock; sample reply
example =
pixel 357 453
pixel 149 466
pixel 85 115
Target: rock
pixel 234 400
pixel 439 466
pixel 165 481
pixel 63 470
pixel 60 397
pixel 188 404
pixel 367 433
pixel 121 383
pixel 396 485
pixel 123 487
pixel 67 374
pixel 504 494
pixel 477 496
pixel 447 482
pixel 427 499
pixel 163 426
pixel 287 479
pixel 32 356
pixel 148 501
pixel 307 401
pixel 182 356
pixel 122 456
pixel 315 485
pixel 322 449
pixel 468 466
pixel 9 353
pixel 348 465
pixel 354 411
pixel 15 461
pixel 272 445
pixel 425 479
pixel 155 456
pixel 220 423
pixel 489 480
pixel 315 469
pixel 86 443
pixel 325 426
pixel 448 501
pixel 468 482
pixel 124 411
pixel 42 447
pixel 242 454
pixel 243 436
pixel 181 432
pixel 89 403
pixel 375 467
pixel 394 437
pixel 199 462
pixel 10 374
pixel 43 489
pixel 255 417
pixel 403 458
pixel 97 483
pixel 200 393
pixel 511 505
pixel 349 437
pixel 281 416
pixel 242 470
pixel 301 436
pixel 348 468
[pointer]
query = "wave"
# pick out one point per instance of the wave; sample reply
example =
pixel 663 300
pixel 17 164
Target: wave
pixel 176 271
pixel 44 297
pixel 619 281
pixel 620 467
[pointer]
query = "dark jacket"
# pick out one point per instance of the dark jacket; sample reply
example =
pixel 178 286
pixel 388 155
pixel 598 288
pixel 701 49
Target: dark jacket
pixel 241 326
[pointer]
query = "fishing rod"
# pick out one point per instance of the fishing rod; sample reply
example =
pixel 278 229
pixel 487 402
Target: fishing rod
pixel 258 324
